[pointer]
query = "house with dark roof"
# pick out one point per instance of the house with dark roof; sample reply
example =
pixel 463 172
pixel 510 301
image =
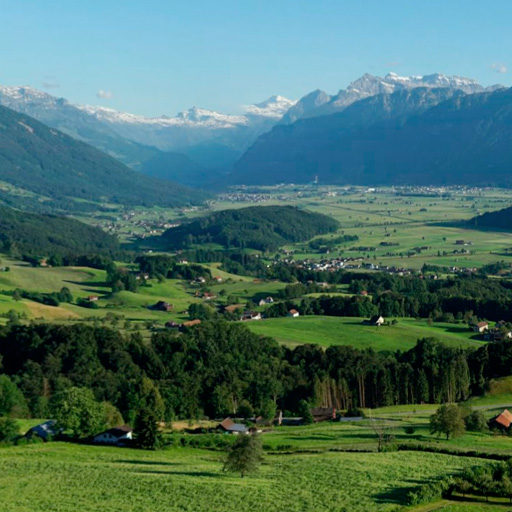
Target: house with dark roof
pixel 230 427
pixel 323 414
pixel 502 421
pixel 44 431
pixel 250 315
pixel 119 435
pixel 375 320
pixel 162 306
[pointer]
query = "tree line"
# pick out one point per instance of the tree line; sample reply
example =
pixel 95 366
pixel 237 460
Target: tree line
pixel 220 368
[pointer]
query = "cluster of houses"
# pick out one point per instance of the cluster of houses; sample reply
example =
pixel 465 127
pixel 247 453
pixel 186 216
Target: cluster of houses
pixel 335 264
pixel 319 414
pixel 117 436
pixel 501 330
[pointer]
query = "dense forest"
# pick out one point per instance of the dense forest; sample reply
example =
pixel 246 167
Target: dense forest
pixel 43 160
pixel 44 235
pixel 220 368
pixel 265 228
pixel 501 219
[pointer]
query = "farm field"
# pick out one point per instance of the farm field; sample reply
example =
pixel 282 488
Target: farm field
pixel 409 218
pixel 36 477
pixel 327 331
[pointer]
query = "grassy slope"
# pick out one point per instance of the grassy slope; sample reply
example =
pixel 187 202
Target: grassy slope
pixel 46 477
pixel 350 331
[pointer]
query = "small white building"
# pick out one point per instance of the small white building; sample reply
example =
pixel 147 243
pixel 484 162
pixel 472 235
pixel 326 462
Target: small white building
pixel 115 435
pixel 293 313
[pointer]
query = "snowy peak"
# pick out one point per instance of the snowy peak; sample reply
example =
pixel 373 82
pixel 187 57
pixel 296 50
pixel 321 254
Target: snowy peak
pixel 274 107
pixel 306 106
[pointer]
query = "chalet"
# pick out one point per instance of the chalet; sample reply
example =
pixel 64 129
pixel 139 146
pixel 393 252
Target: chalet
pixel 375 320
pixel 44 431
pixel 293 313
pixel 323 414
pixel 502 421
pixel 230 427
pixel 190 323
pixel 481 327
pixel 162 306
pixel 209 296
pixel 115 436
pixel 172 325
pixel 200 280
pixel 364 293
pixel 217 279
pixel 250 315
pixel 93 298
pixel 268 300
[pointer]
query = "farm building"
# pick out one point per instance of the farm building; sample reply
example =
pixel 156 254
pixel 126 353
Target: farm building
pixel 323 414
pixel 293 313
pixel 250 315
pixel 44 430
pixel 230 427
pixel 481 327
pixel 502 421
pixel 162 306
pixel 116 435
pixel 374 320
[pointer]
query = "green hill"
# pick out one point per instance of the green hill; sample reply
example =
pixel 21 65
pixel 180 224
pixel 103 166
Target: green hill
pixel 46 162
pixel 258 227
pixel 34 234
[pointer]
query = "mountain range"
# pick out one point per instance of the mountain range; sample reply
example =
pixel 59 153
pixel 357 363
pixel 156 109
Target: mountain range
pixel 411 136
pixel 212 139
pixel 356 135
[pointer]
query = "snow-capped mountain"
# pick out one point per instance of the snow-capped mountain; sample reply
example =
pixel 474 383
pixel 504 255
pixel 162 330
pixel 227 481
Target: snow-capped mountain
pixel 273 108
pixel 203 134
pixel 192 117
pixel 320 103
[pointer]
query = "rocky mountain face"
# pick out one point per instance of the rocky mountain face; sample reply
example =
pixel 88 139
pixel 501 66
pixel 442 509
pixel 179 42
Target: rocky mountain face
pixel 413 136
pixel 319 103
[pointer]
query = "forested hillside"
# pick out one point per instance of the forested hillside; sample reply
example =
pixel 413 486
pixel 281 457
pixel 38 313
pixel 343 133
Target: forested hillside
pixel 502 219
pixel 419 137
pixel 32 234
pixel 47 162
pixel 258 227
pixel 217 368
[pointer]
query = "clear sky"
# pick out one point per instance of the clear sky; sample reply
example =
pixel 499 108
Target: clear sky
pixel 157 57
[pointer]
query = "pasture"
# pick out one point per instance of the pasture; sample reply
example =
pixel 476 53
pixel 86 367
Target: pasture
pixel 65 477
pixel 326 331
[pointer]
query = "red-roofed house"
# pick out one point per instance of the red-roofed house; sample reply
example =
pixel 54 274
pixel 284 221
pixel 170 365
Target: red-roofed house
pixel 502 421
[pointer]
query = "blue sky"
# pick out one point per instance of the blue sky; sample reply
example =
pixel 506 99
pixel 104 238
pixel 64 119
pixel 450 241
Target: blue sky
pixel 157 57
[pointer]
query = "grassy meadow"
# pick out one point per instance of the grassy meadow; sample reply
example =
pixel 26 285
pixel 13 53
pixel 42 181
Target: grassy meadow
pixel 326 331
pixel 65 477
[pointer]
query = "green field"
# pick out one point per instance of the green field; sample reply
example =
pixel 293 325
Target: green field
pixel 67 477
pixel 327 331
